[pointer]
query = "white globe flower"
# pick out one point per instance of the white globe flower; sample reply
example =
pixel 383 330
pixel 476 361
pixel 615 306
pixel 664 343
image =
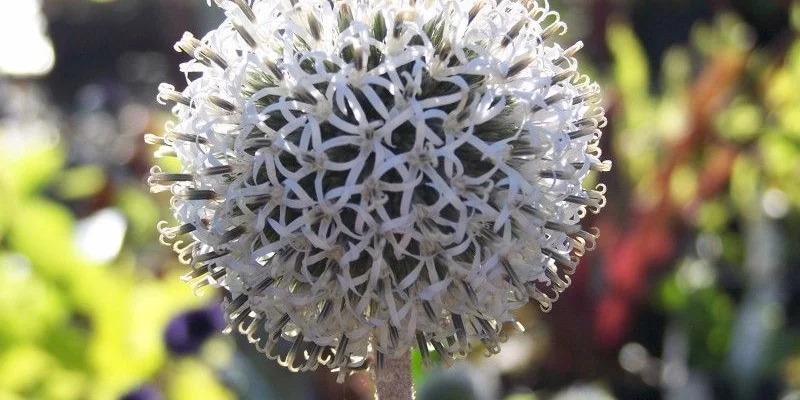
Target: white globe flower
pixel 367 176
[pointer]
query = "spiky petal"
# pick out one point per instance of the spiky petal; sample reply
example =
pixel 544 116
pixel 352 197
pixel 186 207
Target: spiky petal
pixel 369 176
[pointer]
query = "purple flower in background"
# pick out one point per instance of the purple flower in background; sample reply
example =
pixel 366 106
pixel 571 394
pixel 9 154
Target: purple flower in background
pixel 189 330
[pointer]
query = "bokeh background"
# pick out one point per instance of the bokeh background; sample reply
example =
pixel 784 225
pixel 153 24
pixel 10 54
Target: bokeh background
pixel 693 293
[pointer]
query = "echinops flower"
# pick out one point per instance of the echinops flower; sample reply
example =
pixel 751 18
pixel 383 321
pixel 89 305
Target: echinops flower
pixel 367 176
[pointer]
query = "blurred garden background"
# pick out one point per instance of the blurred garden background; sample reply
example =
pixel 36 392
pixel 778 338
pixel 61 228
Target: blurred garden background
pixel 693 293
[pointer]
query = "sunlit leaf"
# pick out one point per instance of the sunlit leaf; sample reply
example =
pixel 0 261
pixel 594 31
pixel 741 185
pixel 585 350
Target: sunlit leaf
pixel 42 231
pixel 24 367
pixel 744 183
pixel 781 156
pixel 683 185
pixel 526 396
pixel 676 70
pixel 713 216
pixel 142 213
pixel 631 71
pixel 27 172
pixel 80 182
pixel 29 307
pixel 741 122
pixel 193 380
pixel 63 384
pixel 670 295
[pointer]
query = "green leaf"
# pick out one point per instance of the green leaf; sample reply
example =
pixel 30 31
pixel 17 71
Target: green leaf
pixel 676 70
pixel 745 178
pixel 631 71
pixel 522 396
pixel 192 380
pixel 713 216
pixel 80 182
pixel 23 368
pixel 670 295
pixel 741 122
pixel 42 231
pixel 29 307
pixel 781 156
pixel 27 172
pixel 142 213
pixel 683 185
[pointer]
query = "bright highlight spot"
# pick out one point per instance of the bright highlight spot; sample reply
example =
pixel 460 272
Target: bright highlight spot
pixel 99 237
pixel 634 358
pixel 27 51
pixel 775 203
pixel 695 274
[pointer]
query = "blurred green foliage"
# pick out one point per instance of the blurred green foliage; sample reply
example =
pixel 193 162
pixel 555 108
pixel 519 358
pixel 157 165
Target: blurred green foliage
pixel 724 119
pixel 75 329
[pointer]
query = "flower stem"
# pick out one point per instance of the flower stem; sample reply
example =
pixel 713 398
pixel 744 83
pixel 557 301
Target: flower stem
pixel 393 381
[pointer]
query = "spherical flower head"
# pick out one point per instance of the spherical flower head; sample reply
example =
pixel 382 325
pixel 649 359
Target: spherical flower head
pixel 367 176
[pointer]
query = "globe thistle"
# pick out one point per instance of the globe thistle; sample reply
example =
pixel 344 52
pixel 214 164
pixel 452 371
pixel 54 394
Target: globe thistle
pixel 367 176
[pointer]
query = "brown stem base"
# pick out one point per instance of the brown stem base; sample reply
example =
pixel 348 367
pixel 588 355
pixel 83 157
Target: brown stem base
pixel 393 381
